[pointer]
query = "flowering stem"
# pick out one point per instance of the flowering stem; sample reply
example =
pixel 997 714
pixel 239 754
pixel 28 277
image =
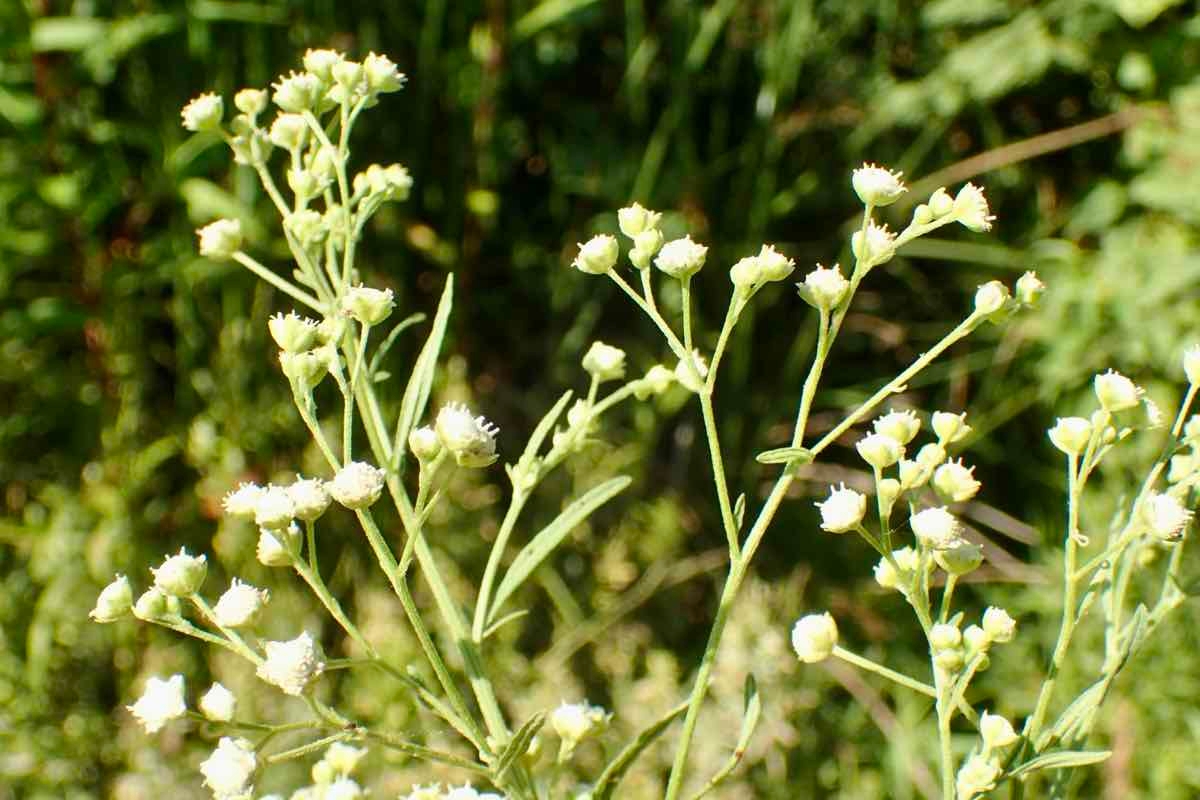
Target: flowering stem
pixel 946 751
pixel 947 594
pixel 239 644
pixel 279 283
pixel 305 749
pixel 879 669
pixel 652 312
pixel 313 578
pixel 1033 725
pixel 685 288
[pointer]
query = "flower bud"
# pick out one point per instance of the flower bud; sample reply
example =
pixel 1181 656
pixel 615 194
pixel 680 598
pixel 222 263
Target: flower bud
pixel 1071 434
pixel 898 575
pixel 288 132
pixel 876 186
pixel 940 203
pixel 976 639
pixel 954 482
pixel 220 239
pixel 344 758
pixel 597 255
pixel 251 102
pixel 825 288
pixel 275 508
pixel 291 665
pixel 913 474
pixel 814 637
pixel 424 444
pixel 951 660
pixel 922 215
pixel 996 731
pixel 322 165
pixel 180 575
pixel 977 776
pixel 1165 517
pixel 746 273
pixel 297 92
pixel 604 362
pixel 990 298
pixel 950 428
pixel 964 557
pixel 575 722
pixel 843 510
pixel 879 451
pixel 645 246
pixel 115 601
pixel 304 183
pixel 151 605
pixel 382 75
pixel 1191 364
pixel 936 528
pixel 681 258
pixel 277 548
pixel 971 209
pixel 242 501
pixel 656 381
pixel 944 637
pixel 1116 392
pixel 240 605
pixel 877 247
pixel 204 113
pixel 899 426
pixel 218 703
pixel 368 306
pixel 357 485
pixel 1030 289
pixel 998 625
pixel 304 369
pixel 634 220
pixel 471 440
pixel 293 333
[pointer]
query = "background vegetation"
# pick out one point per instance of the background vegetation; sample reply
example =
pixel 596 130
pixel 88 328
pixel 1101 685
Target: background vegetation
pixel 137 386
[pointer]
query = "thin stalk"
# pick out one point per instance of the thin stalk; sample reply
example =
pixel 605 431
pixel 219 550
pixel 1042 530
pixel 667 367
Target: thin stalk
pixel 652 312
pixel 507 525
pixel 685 287
pixel 947 594
pixel 891 674
pixel 317 584
pixel 239 644
pixel 279 283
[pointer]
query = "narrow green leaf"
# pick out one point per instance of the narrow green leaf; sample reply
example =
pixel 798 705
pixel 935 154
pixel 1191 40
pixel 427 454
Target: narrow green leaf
pixel 394 334
pixel 519 744
pixel 785 455
pixel 751 711
pixel 66 33
pixel 546 14
pixel 1078 715
pixel 420 383
pixel 1060 759
pixel 507 618
pixel 739 510
pixel 550 537
pixel 606 784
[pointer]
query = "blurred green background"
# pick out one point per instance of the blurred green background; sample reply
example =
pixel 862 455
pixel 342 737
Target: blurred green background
pixel 137 383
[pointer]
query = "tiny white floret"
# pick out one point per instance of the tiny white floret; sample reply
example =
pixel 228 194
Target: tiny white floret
pixel 291 665
pixel 218 703
pixel 161 702
pixel 229 769
pixel 814 636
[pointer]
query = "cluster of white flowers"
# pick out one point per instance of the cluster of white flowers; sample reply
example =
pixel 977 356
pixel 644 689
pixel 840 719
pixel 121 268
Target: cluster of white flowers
pixel 470 439
pixel 291 665
pixel 434 791
pixel 274 508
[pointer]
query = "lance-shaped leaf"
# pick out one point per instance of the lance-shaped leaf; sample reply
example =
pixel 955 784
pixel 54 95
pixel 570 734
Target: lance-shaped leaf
pixel 1060 759
pixel 420 383
pixel 606 784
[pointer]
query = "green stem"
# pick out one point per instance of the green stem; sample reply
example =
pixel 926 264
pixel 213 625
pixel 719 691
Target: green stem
pixel 279 283
pixel 493 564
pixel 235 639
pixel 896 677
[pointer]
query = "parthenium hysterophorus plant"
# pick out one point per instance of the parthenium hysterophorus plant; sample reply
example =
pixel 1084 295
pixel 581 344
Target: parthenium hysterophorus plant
pixel 324 210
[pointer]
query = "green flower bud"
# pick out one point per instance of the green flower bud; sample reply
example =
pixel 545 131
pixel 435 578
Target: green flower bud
pixel 220 239
pixel 634 220
pixel 204 113
pixel 960 559
pixel 288 131
pixel 180 575
pixel 382 74
pixel 1030 289
pixel 424 443
pixel 597 255
pixel 645 246
pixel 368 306
pixel 681 258
pixel 1071 434
pixel 604 362
pixel 940 203
pixel 115 601
pixel 151 605
pixel 991 298
pixel 251 102
pixel 293 333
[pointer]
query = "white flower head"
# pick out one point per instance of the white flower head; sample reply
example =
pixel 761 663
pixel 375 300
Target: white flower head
pixel 344 758
pixel 243 501
pixel 220 239
pixel 1071 434
pixel 291 665
pixel 681 258
pixel 251 101
pixel 996 731
pixel 309 498
pixel 604 362
pixel 877 247
pixel 288 131
pixel 1029 289
pixel 597 255
pixel 890 576
pixel 343 789
pixel 431 792
pixel 276 548
pixel 356 485
pixel 470 439
pixel 574 722
pixel 843 510
pixel 367 305
pixel 944 636
pixel 991 298
pixel 180 575
pixel 999 626
pixel 879 451
pixel 203 113
pixel 1116 392
pixel 635 219
pixel 240 605
pixel 297 92
pixel 292 332
pixel 971 209
pixel 1154 414
pixel 161 702
pixel 218 703
pixel 321 62
pixel 656 381
pixel 774 265
pixel 382 75
pixel 901 426
pixel 814 636
pixel 955 482
pixel 976 776
pixel 114 602
pixel 230 768
pixel 825 287
pixel 936 528
pixel 275 509
pixel 424 443
pixel 1165 516
pixel 950 428
pixel 877 186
